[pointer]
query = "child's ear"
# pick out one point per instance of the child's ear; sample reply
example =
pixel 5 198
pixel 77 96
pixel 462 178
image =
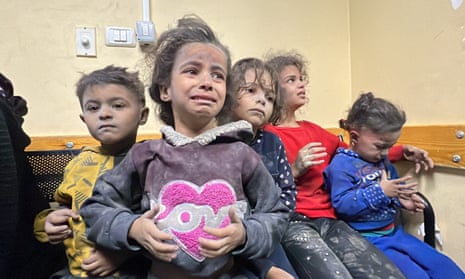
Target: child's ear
pixel 165 95
pixel 353 134
pixel 82 118
pixel 144 116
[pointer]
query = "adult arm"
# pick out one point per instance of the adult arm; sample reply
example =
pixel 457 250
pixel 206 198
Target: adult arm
pixel 9 200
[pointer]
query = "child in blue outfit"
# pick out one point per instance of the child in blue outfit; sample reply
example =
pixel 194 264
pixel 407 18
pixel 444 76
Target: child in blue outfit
pixel 365 196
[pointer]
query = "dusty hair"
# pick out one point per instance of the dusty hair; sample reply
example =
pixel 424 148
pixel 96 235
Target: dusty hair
pixel 278 61
pixel 238 81
pixel 376 114
pixel 189 29
pixel 111 75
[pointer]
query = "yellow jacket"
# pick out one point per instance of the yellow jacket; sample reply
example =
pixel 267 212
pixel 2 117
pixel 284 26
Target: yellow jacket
pixel 78 182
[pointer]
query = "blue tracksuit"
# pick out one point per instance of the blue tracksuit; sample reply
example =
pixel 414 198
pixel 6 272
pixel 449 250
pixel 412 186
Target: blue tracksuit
pixel 360 201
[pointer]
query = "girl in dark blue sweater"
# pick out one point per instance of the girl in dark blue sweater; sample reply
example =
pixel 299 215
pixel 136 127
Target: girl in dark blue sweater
pixel 367 198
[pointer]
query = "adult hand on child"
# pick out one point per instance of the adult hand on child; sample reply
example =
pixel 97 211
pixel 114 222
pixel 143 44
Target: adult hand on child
pixel 57 225
pixel 308 156
pixel 228 238
pixel 397 187
pixel 102 262
pixel 419 156
pixel 147 234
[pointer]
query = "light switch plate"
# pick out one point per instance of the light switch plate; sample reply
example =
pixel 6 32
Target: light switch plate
pixel 85 42
pixel 120 36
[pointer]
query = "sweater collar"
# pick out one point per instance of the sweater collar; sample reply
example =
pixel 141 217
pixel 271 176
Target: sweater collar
pixel 238 130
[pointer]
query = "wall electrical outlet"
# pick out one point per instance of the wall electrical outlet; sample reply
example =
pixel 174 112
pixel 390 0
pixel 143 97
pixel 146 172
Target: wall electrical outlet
pixel 85 42
pixel 145 32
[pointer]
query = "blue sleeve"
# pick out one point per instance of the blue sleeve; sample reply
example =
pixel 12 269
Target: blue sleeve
pixel 273 155
pixel 285 179
pixel 268 221
pixel 352 197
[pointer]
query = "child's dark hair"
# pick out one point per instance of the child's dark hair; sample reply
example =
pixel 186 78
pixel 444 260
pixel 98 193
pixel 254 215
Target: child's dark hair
pixel 238 81
pixel 376 114
pixel 190 29
pixel 112 75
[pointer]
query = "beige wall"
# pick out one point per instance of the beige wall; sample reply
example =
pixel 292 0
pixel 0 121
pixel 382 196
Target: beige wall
pixel 411 52
pixel 38 48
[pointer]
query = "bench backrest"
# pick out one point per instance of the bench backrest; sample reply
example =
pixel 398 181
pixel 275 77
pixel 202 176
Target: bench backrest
pixel 48 167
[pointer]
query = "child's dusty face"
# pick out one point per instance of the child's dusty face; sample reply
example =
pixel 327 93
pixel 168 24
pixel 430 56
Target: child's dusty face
pixel 112 113
pixel 291 80
pixel 254 102
pixel 372 147
pixel 198 85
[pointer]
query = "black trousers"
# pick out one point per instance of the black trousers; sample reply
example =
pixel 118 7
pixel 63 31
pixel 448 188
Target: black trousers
pixel 331 249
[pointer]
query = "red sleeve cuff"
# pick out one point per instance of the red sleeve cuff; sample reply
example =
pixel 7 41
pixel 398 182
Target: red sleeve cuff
pixel 396 153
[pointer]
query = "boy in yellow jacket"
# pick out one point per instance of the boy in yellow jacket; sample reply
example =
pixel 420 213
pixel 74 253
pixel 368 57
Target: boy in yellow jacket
pixel 113 106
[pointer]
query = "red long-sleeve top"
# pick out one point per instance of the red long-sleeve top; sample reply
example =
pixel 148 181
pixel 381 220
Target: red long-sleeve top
pixel 312 200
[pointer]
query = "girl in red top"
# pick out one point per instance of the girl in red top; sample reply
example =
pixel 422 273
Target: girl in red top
pixel 317 244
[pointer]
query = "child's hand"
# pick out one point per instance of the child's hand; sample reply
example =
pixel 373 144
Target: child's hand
pixel 397 187
pixel 419 157
pixel 308 156
pixel 278 273
pixel 229 237
pixel 147 234
pixel 413 203
pixel 57 226
pixel 102 262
